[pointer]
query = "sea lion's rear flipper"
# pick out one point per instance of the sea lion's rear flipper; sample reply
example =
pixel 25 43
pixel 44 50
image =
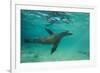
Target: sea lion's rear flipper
pixel 49 31
pixel 35 40
pixel 54 48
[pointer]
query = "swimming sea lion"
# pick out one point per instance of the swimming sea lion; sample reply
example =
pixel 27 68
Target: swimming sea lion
pixel 53 39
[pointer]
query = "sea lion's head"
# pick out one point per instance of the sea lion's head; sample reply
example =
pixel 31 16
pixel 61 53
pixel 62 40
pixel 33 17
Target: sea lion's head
pixel 67 32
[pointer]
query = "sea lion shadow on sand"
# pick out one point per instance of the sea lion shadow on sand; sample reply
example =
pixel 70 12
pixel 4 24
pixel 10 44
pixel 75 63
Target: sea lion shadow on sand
pixel 53 39
pixel 86 53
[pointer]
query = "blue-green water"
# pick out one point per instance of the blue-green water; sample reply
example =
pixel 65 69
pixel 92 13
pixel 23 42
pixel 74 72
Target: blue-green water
pixel 73 47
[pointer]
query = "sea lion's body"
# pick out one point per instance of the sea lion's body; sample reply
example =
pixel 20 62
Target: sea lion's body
pixel 53 39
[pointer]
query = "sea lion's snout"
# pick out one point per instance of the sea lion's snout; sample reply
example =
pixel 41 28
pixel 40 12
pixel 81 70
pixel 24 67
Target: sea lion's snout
pixel 69 33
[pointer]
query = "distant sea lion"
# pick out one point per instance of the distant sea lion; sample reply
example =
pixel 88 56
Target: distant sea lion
pixel 53 39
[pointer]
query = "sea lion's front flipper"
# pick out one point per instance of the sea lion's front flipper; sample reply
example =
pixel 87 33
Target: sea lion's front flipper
pixel 54 48
pixel 49 31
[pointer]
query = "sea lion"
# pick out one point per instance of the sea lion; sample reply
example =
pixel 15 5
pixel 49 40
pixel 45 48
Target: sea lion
pixel 53 39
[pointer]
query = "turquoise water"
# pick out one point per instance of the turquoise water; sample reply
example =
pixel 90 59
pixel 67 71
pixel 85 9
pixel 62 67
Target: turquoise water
pixel 73 47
